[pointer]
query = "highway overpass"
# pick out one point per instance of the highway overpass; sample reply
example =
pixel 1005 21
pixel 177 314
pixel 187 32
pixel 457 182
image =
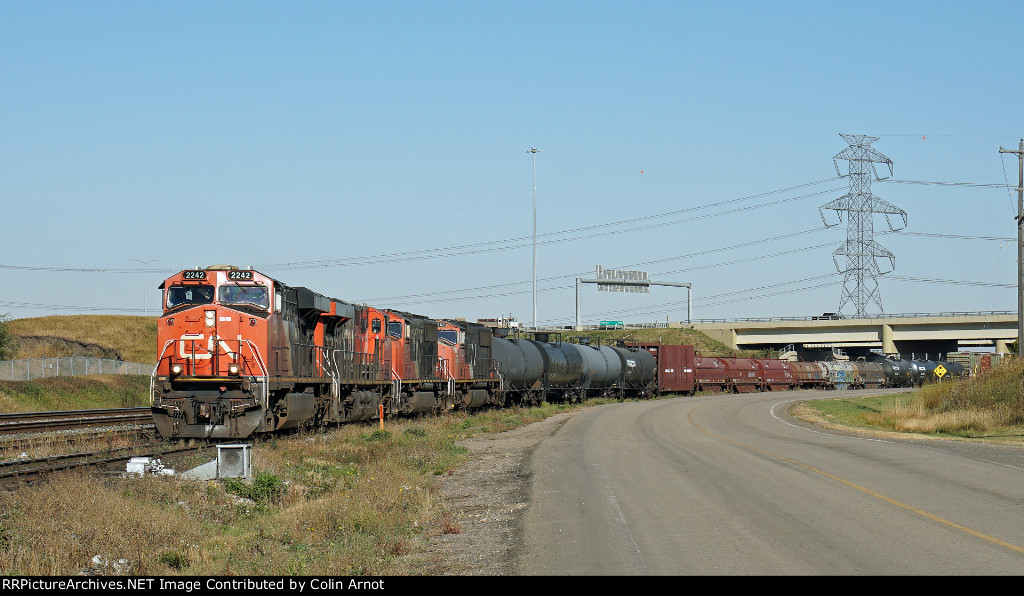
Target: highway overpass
pixel 906 334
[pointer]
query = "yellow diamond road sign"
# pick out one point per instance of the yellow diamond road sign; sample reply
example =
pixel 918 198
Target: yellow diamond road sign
pixel 940 370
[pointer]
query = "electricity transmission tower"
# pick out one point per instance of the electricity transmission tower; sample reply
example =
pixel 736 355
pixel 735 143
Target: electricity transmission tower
pixel 860 285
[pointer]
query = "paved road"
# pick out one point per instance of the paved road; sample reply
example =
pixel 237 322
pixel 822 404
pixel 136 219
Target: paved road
pixel 731 486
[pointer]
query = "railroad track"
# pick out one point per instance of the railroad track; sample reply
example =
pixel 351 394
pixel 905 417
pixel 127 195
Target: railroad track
pixel 28 470
pixel 72 419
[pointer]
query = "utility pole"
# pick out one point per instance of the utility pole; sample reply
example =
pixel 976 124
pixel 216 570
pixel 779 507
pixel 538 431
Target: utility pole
pixel 534 151
pixel 1020 242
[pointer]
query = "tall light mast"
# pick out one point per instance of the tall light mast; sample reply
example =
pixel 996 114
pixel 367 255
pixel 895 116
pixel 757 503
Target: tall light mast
pixel 534 151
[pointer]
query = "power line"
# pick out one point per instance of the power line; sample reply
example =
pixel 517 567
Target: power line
pixel 951 282
pixel 948 236
pixel 553 237
pixel 963 184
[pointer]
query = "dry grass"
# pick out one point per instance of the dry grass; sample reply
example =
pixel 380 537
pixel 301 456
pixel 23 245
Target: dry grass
pixel 74 393
pixel 990 405
pixel 132 338
pixel 352 501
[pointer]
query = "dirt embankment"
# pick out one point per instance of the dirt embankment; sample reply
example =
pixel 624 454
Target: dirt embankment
pixel 48 346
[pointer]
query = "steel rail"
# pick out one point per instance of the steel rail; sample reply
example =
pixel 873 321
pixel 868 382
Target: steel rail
pixel 63 420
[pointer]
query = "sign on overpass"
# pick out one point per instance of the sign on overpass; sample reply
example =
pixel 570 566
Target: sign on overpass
pixel 607 277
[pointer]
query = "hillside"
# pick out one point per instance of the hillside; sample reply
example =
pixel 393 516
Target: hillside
pixel 681 336
pixel 128 338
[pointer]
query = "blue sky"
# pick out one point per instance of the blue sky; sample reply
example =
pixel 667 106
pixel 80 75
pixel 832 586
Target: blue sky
pixel 376 152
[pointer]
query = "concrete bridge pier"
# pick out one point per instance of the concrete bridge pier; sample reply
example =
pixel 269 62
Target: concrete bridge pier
pixel 888 345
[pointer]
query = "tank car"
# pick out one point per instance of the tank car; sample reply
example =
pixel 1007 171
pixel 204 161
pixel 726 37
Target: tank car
pixel 838 374
pixel 563 369
pixel 520 367
pixel 639 371
pixel 898 373
pixel 809 375
pixel 602 368
pixel 867 375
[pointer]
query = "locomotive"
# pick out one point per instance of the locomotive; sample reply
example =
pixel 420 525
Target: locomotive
pixel 242 353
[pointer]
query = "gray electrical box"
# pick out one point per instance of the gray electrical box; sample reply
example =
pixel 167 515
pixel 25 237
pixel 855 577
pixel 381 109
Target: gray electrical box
pixel 234 461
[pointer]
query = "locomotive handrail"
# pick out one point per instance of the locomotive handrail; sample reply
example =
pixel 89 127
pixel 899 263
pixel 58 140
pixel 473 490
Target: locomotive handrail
pixel 396 385
pixel 443 364
pixel 259 360
pixel 152 376
pixel 335 379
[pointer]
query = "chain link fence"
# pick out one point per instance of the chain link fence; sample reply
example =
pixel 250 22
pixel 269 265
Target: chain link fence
pixel 38 368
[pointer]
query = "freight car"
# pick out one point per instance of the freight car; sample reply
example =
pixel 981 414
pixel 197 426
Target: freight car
pixel 243 353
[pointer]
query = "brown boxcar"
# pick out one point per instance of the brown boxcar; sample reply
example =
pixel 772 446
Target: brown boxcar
pixel 676 367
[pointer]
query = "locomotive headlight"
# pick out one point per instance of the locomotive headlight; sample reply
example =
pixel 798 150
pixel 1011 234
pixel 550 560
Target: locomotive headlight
pixel 233 369
pixel 176 369
pixel 211 318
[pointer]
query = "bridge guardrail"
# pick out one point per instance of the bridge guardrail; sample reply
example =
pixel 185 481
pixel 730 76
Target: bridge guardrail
pixel 878 316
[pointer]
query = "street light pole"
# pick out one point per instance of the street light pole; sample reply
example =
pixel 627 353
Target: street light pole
pixel 145 282
pixel 534 151
pixel 1020 243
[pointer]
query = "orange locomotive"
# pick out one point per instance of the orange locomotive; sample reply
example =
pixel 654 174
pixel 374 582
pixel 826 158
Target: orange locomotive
pixel 240 353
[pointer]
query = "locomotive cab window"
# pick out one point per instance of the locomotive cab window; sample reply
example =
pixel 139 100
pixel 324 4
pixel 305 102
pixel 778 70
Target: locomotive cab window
pixel 247 295
pixel 375 326
pixel 197 294
pixel 395 329
pixel 449 337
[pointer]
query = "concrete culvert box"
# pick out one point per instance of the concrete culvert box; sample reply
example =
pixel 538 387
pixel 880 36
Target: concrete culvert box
pixel 234 461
